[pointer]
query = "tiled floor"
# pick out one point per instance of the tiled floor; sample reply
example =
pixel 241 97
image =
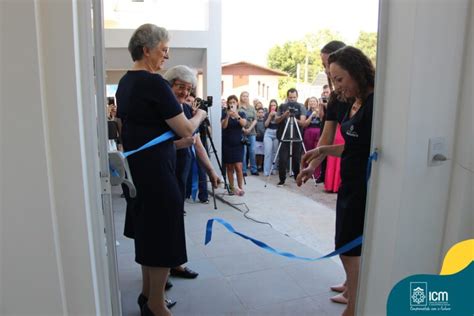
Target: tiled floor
pixel 235 276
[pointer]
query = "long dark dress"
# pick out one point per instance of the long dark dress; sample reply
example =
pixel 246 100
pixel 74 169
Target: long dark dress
pixel 232 147
pixel 351 198
pixel 154 219
pixel 183 159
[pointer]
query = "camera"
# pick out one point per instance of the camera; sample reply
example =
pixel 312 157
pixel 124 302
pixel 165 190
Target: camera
pixel 292 106
pixel 324 99
pixel 204 104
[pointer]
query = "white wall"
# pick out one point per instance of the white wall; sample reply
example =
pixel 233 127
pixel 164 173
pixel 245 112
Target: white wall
pixel 460 215
pixel 419 94
pixel 48 264
pixel 252 88
pixel 212 75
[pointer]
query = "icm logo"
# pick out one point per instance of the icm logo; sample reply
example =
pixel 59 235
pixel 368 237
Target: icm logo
pixel 438 296
pixel 418 293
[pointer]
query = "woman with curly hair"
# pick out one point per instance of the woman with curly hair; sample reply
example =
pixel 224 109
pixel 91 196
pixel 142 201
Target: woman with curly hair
pixel 353 76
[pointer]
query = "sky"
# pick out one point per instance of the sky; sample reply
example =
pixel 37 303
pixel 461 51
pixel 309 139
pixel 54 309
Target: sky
pixel 251 27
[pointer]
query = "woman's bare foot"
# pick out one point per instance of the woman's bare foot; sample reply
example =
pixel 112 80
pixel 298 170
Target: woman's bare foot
pixel 239 192
pixel 338 288
pixel 339 298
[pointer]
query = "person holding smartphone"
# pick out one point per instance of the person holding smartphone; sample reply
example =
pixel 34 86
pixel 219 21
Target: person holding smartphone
pixel 232 122
pixel 270 140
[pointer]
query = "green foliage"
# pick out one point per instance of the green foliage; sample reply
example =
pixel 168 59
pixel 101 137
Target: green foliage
pixel 284 84
pixel 288 56
pixel 367 42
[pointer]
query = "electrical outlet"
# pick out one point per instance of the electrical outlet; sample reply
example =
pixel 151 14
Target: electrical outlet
pixel 437 151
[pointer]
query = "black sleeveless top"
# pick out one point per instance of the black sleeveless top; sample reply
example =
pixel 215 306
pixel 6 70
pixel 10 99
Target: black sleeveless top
pixel 356 131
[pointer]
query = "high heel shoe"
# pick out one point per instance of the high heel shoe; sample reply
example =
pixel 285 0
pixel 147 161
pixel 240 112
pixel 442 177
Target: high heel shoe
pixel 142 300
pixel 146 311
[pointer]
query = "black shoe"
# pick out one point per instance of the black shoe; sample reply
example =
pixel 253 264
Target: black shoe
pixel 319 180
pixel 146 311
pixel 254 173
pixel 169 303
pixel 186 273
pixel 282 182
pixel 168 285
pixel 142 299
pixel 245 174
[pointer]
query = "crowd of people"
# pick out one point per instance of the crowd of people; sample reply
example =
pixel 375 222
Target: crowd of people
pixel 263 132
pixel 334 130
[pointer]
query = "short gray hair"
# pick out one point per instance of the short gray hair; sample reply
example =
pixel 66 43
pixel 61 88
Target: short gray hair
pixel 182 73
pixel 146 35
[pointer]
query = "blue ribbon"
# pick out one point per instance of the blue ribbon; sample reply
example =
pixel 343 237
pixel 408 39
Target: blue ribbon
pixel 356 242
pixel 195 176
pixel 373 157
pixel 114 171
pixel 163 137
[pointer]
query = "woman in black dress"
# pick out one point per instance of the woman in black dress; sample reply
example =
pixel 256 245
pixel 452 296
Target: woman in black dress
pixel 148 108
pixel 353 76
pixel 232 122
pixel 335 111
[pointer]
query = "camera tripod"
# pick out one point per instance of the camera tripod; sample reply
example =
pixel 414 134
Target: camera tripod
pixel 291 139
pixel 206 133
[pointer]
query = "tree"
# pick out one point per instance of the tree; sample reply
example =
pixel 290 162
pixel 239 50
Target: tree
pixel 287 56
pixel 303 52
pixel 284 84
pixel 367 43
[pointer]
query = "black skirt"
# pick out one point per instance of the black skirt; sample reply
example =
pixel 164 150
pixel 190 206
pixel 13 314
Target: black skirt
pixel 155 217
pixel 350 213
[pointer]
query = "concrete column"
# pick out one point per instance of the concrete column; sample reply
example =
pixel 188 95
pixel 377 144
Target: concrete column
pixel 49 265
pixel 212 73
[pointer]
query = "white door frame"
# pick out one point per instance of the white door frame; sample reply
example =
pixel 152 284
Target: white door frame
pixel 90 32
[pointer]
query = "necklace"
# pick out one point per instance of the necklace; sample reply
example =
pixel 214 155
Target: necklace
pixel 356 106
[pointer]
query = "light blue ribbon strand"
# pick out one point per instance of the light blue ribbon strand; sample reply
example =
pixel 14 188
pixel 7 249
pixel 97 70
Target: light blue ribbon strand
pixel 114 172
pixel 356 242
pixel 373 157
pixel 163 137
pixel 195 176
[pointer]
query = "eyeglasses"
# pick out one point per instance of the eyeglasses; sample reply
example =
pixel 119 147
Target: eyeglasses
pixel 165 50
pixel 183 87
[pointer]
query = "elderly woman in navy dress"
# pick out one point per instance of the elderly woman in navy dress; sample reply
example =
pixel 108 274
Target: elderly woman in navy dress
pixel 148 108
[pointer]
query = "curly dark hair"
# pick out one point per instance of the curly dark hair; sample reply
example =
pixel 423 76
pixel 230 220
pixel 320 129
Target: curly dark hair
pixel 358 65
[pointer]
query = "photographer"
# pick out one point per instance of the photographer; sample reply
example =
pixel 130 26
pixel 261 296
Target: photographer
pixel 232 123
pixel 298 111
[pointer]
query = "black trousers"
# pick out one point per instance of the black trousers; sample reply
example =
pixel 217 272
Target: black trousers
pixel 284 156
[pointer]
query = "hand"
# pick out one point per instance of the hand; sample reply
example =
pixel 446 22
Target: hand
pixel 233 114
pixel 313 154
pixel 187 141
pixel 287 113
pixel 273 113
pixel 305 174
pixel 246 131
pixel 215 180
pixel 201 112
pixel 194 107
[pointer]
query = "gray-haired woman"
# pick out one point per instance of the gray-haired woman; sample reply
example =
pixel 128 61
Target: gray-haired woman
pixel 183 80
pixel 148 108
